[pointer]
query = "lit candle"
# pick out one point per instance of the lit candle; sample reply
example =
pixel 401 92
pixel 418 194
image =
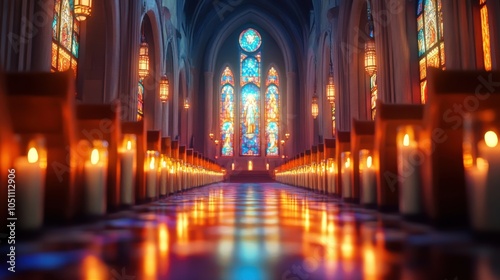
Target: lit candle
pixel 346 175
pixel 128 163
pixel 163 176
pixel 483 183
pixel 151 174
pixel 410 198
pixel 331 175
pixel 30 182
pixel 367 180
pixel 171 176
pixel 95 180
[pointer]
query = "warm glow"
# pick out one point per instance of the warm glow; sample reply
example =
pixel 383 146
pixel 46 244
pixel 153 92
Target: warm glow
pixel 485 28
pixel 82 9
pixel 406 140
pixel 32 155
pixel 94 157
pixel 330 90
pixel 370 57
pixel 152 163
pixel 163 238
pixel 93 268
pixel 369 260
pixel 491 139
pixel 143 60
pixel 250 165
pixel 164 89
pixel 369 162
pixel 129 145
pixel 315 107
pixel 347 163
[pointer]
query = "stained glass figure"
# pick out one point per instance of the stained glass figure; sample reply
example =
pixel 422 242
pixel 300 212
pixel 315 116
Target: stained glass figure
pixel 250 69
pixel 250 40
pixel 250 120
pixel 227 113
pixel 272 113
pixel 430 38
pixel 65 37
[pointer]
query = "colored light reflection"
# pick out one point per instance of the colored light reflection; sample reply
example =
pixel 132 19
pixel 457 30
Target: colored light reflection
pixel 94 269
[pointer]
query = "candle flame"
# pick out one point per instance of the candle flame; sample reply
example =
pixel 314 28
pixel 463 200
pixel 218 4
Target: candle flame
pixel 348 163
pixel 406 140
pixel 152 163
pixel 369 162
pixel 32 155
pixel 129 145
pixel 94 157
pixel 163 163
pixel 491 139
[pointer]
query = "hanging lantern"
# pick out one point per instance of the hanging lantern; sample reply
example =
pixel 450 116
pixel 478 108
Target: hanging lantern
pixel 164 85
pixel 82 9
pixel 315 107
pixel 330 90
pixel 370 57
pixel 143 60
pixel 186 104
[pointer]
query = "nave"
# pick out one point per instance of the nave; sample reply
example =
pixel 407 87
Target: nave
pixel 253 231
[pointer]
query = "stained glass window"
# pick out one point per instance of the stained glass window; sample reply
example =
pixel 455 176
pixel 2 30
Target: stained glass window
pixel 65 37
pixel 250 120
pixel 374 95
pixel 430 37
pixel 250 62
pixel 250 40
pixel 140 100
pixel 272 113
pixel 485 33
pixel 227 113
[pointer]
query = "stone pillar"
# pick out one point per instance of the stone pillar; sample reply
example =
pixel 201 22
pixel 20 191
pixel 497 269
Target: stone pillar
pixel 209 114
pixel 292 120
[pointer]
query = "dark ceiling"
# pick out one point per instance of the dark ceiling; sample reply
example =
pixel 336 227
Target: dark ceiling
pixel 204 19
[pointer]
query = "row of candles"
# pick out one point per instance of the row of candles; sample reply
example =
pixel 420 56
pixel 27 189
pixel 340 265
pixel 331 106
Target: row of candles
pixel 323 171
pixel 164 176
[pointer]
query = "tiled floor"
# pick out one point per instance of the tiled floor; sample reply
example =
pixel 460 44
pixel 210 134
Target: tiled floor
pixel 253 231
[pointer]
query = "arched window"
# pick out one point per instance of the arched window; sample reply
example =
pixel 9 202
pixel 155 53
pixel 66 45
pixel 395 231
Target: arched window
pixel 430 40
pixel 250 61
pixel 485 34
pixel 249 110
pixel 65 37
pixel 227 112
pixel 272 112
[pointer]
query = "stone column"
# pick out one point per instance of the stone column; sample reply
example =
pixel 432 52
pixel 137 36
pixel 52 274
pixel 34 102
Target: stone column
pixel 209 114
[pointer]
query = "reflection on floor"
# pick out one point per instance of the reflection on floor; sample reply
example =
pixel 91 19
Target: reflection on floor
pixel 253 231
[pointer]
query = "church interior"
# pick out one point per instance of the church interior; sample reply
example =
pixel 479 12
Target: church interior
pixel 249 139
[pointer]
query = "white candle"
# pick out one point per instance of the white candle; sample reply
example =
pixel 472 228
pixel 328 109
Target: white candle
pixel 171 177
pixel 476 181
pixel 331 176
pixel 30 182
pixel 410 198
pixel 367 180
pixel 127 162
pixel 346 175
pixel 163 177
pixel 484 184
pixel 151 176
pixel 95 180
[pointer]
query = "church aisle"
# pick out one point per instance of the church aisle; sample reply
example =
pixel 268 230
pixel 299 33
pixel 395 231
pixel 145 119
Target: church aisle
pixel 252 231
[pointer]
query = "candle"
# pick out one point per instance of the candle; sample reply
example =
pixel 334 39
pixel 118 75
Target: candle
pixel 331 175
pixel 367 178
pixel 128 163
pixel 410 200
pixel 30 182
pixel 171 176
pixel 346 175
pixel 163 176
pixel 151 174
pixel 483 185
pixel 95 180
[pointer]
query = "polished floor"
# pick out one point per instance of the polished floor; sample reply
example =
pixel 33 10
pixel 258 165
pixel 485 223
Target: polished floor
pixel 253 231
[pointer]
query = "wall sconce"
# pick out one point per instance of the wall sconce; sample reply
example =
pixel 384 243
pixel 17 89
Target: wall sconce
pixel 143 59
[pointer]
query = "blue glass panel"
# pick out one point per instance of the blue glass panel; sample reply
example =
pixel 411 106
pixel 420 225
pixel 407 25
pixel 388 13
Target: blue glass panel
pixel 227 120
pixel 250 119
pixel 272 139
pixel 419 7
pixel 250 70
pixel 421 42
pixel 250 40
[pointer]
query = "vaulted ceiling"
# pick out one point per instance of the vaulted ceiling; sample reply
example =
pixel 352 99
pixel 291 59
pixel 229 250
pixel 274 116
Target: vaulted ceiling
pixel 206 20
